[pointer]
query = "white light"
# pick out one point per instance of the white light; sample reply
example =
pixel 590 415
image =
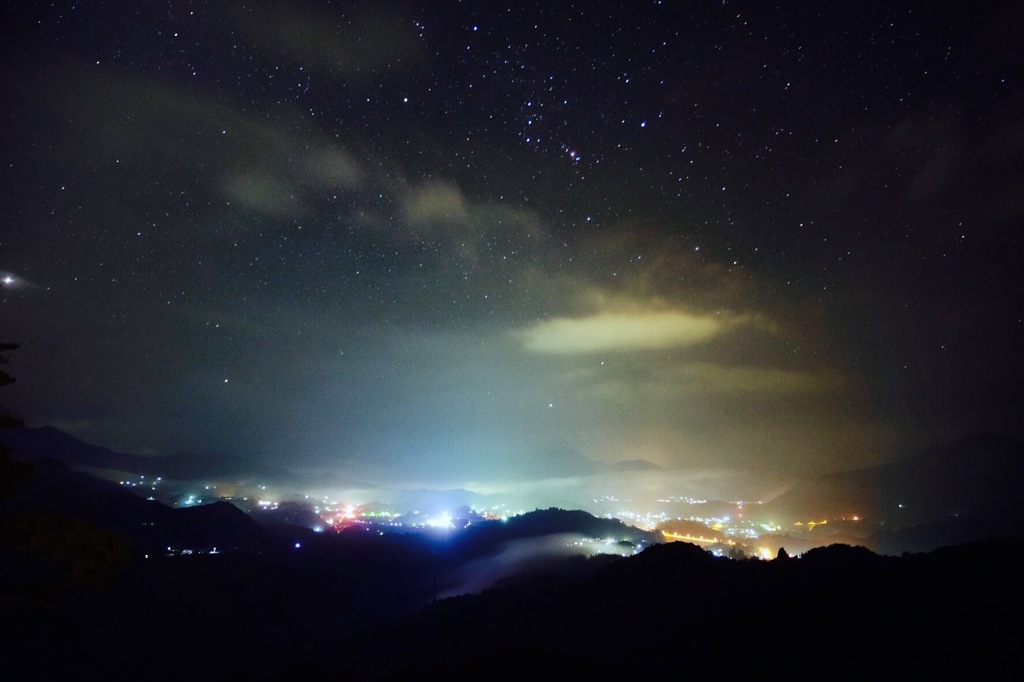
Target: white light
pixel 442 521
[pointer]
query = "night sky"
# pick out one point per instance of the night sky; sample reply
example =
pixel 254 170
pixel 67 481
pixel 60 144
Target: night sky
pixel 452 243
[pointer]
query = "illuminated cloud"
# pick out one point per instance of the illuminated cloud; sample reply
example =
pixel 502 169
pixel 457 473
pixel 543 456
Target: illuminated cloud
pixel 612 331
pixel 435 202
pixel 462 230
pixel 662 384
pixel 738 380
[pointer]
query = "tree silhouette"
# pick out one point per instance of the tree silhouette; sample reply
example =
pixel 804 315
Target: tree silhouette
pixel 9 469
pixel 6 420
pixel 58 552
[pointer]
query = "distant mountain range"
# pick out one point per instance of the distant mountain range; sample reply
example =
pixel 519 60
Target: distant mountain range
pixel 52 487
pixel 960 491
pixel 675 611
pixel 634 465
pixel 948 494
pixel 282 602
pixel 48 442
pixel 981 476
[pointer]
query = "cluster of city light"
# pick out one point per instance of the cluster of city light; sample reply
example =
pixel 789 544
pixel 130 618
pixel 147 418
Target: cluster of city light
pixel 605 546
pixel 696 539
pixel 725 531
pixel 187 551
pixel 142 482
pixel 810 525
pixel 442 520
pixel 647 521
pixel 500 512
pixel 684 499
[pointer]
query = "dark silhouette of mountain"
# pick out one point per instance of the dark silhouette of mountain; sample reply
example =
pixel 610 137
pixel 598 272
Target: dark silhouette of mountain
pixel 571 463
pixel 676 611
pixel 358 605
pixel 926 537
pixel 633 465
pixel 47 442
pixel 154 529
pixel 560 462
pixel 529 547
pixel 220 524
pixel 977 478
pixel 428 499
pixel 54 488
pixel 488 537
pixel 553 520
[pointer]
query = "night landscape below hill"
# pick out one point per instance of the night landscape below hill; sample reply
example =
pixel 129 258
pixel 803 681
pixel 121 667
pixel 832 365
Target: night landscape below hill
pixel 95 577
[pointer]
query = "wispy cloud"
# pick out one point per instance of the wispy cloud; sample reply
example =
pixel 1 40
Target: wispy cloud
pixel 352 45
pixel 623 331
pixel 435 202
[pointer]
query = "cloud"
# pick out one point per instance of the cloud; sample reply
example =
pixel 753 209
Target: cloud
pixel 262 192
pixel 623 331
pixel 658 386
pixel 354 45
pixel 749 379
pixel 460 229
pixel 165 140
pixel 333 168
pixel 435 202
pixel 286 184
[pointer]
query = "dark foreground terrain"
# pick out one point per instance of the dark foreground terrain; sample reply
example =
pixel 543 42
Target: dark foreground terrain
pixel 671 610
pixel 78 596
